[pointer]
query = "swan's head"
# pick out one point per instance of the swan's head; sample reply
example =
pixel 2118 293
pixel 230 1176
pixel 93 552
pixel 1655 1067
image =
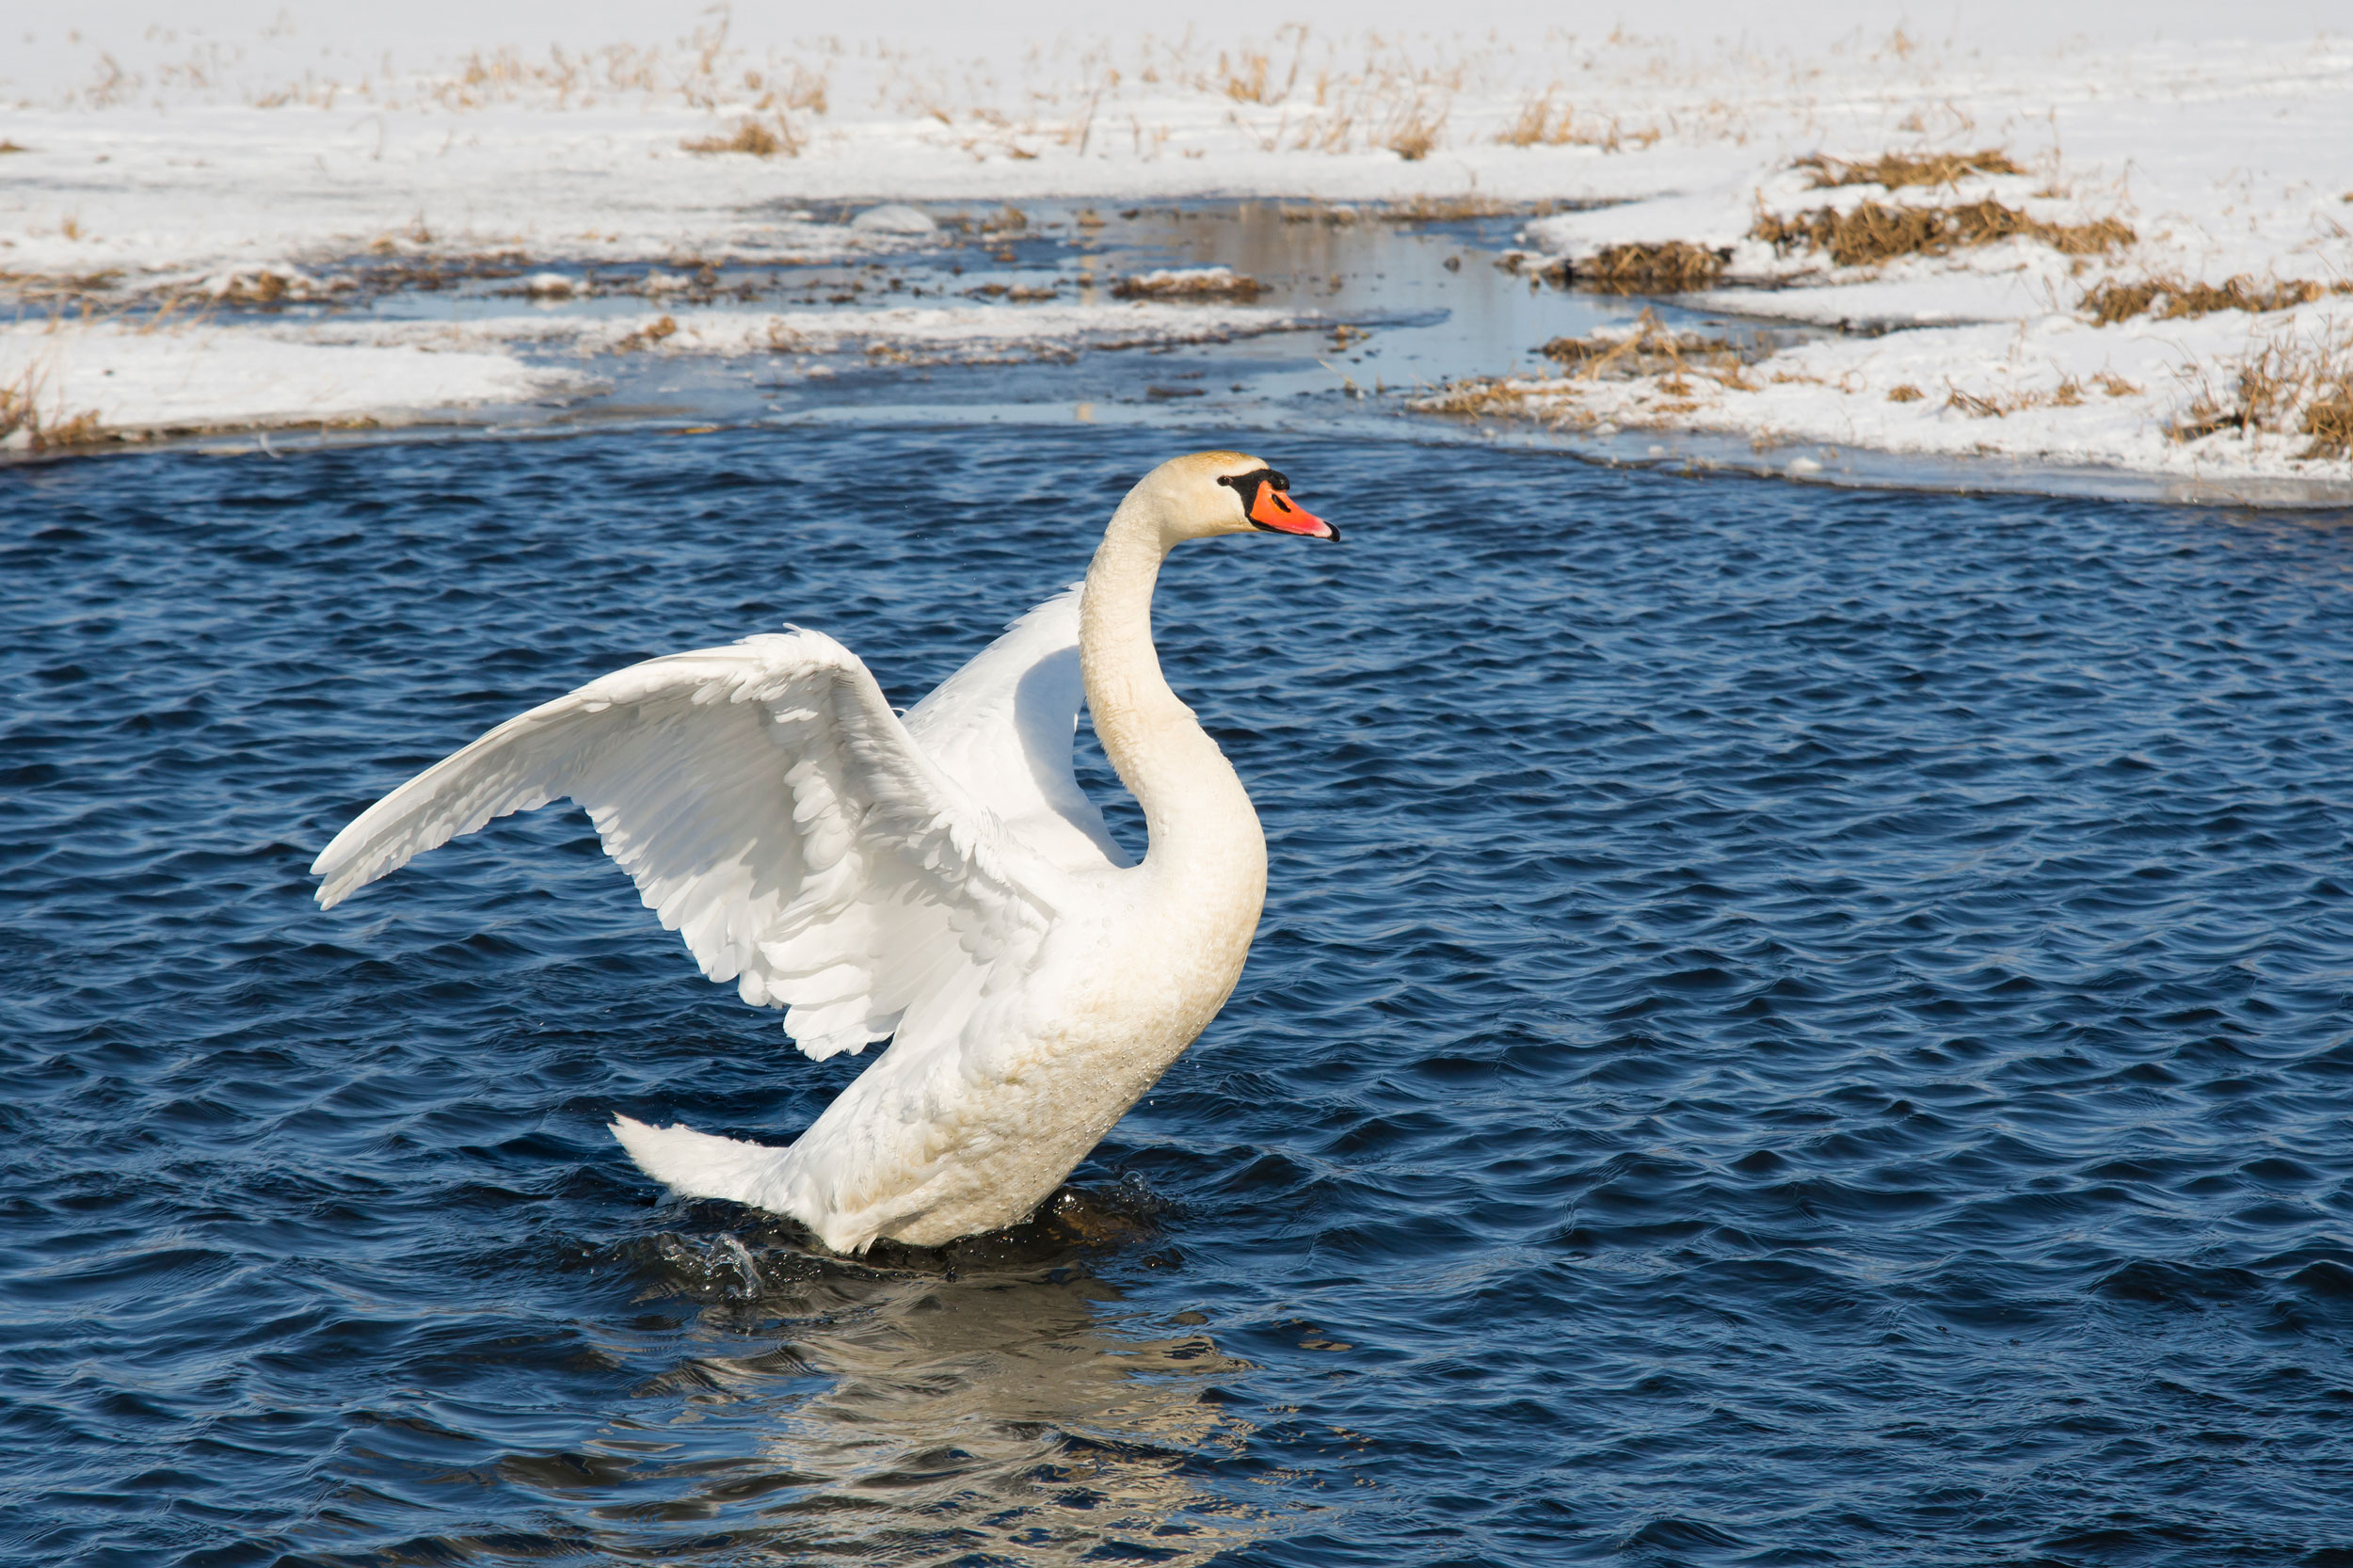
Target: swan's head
pixel 1211 493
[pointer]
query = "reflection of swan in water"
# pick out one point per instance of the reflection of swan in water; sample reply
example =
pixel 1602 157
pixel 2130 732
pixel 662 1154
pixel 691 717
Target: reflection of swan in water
pixel 994 1412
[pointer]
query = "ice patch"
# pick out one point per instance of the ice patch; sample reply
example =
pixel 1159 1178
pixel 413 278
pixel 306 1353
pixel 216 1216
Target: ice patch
pixel 894 217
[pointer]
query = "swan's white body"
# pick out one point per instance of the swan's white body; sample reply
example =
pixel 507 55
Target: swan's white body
pixel 940 881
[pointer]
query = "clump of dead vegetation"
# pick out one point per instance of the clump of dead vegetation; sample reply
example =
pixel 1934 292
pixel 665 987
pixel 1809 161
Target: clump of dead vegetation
pixel 1674 267
pixel 1541 122
pixel 1485 396
pixel 2172 299
pixel 2068 393
pixel 2329 420
pixel 7 146
pixel 760 135
pixel 254 288
pixel 1411 134
pixel 703 71
pixel 1651 349
pixel 647 336
pixel 1190 283
pixel 1895 170
pixel 1673 363
pixel 64 291
pixel 1873 232
pixel 275 287
pixel 2284 387
pixel 23 428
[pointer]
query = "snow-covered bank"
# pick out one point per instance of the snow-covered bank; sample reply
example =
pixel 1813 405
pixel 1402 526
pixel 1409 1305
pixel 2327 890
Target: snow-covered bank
pixel 2143 261
pixel 2163 282
pixel 75 382
pixel 82 383
pixel 2052 388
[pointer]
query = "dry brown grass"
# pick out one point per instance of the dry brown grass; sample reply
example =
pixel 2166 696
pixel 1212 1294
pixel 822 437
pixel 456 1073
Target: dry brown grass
pixel 23 428
pixel 1673 267
pixel 1413 133
pixel 264 289
pixel 1895 170
pixel 1673 363
pixel 1207 283
pixel 2114 302
pixel 1481 396
pixel 82 429
pixel 17 409
pixel 1906 392
pixel 803 90
pixel 2328 420
pixel 1540 124
pixel 2068 393
pixel 1874 232
pixel 1651 349
pixel 647 336
pixel 7 146
pixel 2171 299
pixel 760 137
pixel 65 290
pixel 1250 79
pixel 2283 386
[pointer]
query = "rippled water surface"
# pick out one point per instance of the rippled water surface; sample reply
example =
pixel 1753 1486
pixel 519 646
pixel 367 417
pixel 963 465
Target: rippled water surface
pixel 1791 1027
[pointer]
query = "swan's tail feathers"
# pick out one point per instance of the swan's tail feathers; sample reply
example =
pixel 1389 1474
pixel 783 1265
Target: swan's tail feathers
pixel 698 1165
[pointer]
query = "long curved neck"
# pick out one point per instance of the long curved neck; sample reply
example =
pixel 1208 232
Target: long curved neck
pixel 1193 804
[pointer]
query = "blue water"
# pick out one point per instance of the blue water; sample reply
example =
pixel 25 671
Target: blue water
pixel 1791 1027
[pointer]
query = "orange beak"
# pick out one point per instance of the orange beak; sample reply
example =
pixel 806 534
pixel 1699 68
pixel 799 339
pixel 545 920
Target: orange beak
pixel 1274 510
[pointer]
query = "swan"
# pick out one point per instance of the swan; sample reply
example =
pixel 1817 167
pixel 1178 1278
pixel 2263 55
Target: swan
pixel 940 881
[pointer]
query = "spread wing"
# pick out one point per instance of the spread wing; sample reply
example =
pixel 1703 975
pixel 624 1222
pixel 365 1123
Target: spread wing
pixel 1002 727
pixel 776 813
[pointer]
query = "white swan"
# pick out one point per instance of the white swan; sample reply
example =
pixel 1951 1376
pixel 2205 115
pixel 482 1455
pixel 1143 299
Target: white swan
pixel 940 882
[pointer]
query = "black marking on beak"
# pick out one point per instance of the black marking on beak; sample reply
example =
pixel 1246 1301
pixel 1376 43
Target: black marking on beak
pixel 1246 485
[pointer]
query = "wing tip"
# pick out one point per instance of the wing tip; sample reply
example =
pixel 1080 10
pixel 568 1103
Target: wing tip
pixel 339 877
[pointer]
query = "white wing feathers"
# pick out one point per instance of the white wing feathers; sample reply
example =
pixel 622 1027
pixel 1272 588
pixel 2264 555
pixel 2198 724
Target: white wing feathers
pixel 1001 727
pixel 777 815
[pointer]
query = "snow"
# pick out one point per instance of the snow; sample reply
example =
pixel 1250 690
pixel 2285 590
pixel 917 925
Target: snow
pixel 2224 161
pixel 1837 391
pixel 172 165
pixel 138 382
